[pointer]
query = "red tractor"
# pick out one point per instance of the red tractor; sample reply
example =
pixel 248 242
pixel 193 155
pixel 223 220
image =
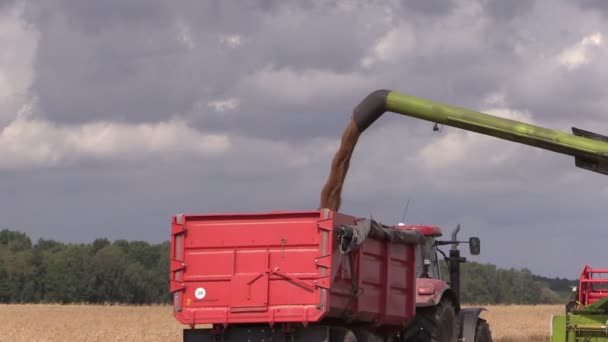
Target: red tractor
pixel 439 316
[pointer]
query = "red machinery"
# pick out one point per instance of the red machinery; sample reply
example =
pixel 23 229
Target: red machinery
pixel 586 316
pixel 298 274
pixel 593 285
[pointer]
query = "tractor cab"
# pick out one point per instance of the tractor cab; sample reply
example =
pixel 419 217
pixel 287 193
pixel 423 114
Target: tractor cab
pixel 433 292
pixel 427 262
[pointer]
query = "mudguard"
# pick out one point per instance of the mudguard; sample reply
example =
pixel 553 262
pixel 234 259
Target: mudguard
pixel 429 292
pixel 468 322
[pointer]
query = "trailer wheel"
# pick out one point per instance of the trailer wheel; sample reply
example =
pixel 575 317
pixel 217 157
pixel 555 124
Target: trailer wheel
pixel 342 335
pixel 435 324
pixel 364 335
pixel 482 331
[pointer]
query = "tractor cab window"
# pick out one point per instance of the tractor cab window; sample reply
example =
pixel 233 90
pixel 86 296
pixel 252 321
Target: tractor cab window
pixel 426 251
pixel 419 261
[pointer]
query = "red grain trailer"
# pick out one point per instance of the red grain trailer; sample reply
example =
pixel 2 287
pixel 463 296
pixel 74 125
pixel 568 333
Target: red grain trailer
pixel 291 276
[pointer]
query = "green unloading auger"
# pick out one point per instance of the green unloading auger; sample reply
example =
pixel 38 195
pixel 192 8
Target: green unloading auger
pixel 590 150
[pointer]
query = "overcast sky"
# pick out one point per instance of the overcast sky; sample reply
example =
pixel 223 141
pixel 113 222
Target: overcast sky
pixel 115 115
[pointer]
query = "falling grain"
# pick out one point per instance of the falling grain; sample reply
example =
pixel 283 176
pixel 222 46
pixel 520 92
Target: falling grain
pixel 330 195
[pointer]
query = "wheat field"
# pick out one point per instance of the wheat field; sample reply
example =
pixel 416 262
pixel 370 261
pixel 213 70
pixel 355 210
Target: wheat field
pixel 525 323
pixel 50 323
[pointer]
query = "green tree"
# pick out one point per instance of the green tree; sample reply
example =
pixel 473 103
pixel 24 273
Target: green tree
pixel 15 241
pixel 486 284
pixel 5 295
pixel 99 244
pixel 108 271
pixel 20 272
pixel 479 284
pixel 161 273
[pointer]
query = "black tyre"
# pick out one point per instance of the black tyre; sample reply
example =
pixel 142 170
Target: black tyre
pixel 482 331
pixel 198 335
pixel 435 324
pixel 342 335
pixel 364 335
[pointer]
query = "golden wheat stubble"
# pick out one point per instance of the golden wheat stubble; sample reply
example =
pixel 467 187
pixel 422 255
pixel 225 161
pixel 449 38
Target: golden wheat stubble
pixel 330 195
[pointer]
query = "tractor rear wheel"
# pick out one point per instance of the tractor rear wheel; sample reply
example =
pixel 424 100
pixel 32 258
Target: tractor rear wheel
pixel 482 331
pixel 435 324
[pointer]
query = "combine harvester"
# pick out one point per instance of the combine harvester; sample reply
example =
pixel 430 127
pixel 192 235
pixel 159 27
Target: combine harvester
pixel 326 276
pixel 586 318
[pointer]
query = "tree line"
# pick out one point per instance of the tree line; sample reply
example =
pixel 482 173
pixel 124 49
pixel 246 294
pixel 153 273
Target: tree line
pixel 487 284
pixel 53 272
pixel 137 272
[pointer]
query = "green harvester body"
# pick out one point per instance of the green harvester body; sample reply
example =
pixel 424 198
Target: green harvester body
pixel 586 317
pixel 588 323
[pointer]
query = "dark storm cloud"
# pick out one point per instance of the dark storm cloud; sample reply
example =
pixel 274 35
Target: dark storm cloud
pixel 114 63
pixel 5 4
pixel 507 10
pixel 117 63
pixel 436 67
pixel 583 86
pixel 92 17
pixel 136 200
pixel 594 5
pixel 435 7
pixel 540 82
pixel 125 62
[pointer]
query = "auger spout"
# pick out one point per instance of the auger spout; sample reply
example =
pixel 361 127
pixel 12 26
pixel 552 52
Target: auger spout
pixel 590 150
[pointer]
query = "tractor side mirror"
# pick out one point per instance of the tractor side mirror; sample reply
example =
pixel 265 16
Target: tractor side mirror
pixel 474 246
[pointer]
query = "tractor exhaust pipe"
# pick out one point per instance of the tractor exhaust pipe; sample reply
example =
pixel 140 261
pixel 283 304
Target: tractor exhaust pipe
pixel 590 150
pixel 454 262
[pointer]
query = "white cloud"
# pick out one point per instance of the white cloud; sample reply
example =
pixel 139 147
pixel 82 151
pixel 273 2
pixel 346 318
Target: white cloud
pixel 16 63
pixel 224 105
pixel 32 142
pixel 184 34
pixel 578 54
pixel 495 100
pixel 262 157
pixel 231 40
pixel 299 87
pixel 461 32
pixel 28 141
pixel 393 45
